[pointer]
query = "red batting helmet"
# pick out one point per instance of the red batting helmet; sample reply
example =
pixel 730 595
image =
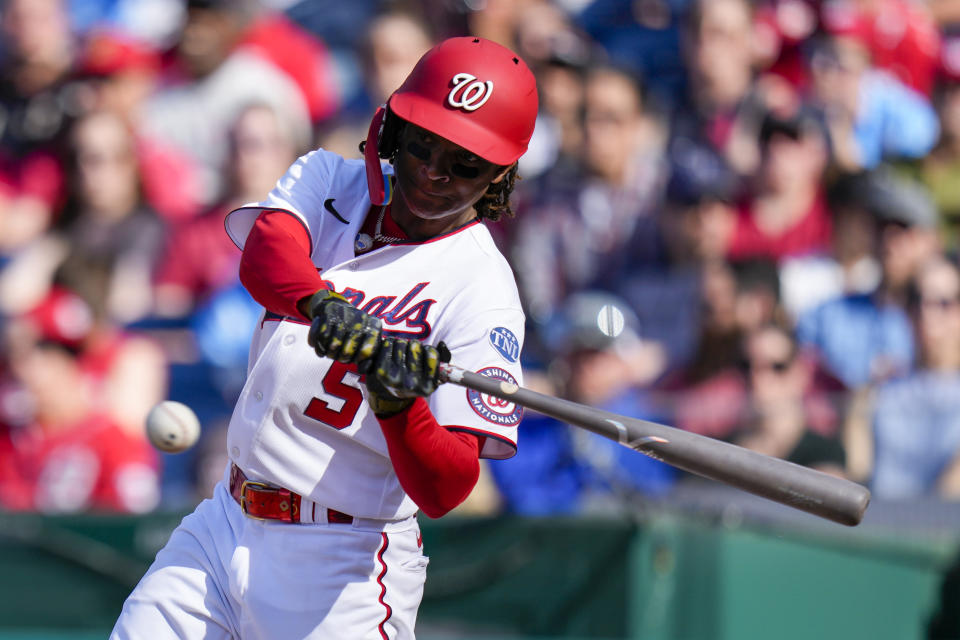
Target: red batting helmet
pixel 471 91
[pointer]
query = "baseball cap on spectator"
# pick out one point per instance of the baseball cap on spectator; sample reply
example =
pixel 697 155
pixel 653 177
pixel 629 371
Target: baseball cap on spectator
pixel 105 53
pixel 698 174
pixel 592 321
pixel 886 196
pixel 62 318
pixel 794 126
pixel 897 200
pixel 569 49
pixel 842 18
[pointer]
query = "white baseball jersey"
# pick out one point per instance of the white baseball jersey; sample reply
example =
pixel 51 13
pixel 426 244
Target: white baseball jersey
pixel 301 421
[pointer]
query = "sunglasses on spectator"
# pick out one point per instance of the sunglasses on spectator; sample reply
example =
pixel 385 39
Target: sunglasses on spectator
pixel 777 366
pixel 942 303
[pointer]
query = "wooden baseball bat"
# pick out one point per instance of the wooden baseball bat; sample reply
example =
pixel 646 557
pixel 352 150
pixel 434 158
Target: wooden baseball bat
pixel 799 487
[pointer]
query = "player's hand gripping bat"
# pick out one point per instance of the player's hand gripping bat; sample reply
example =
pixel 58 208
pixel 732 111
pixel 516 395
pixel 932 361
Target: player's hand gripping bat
pixel 799 487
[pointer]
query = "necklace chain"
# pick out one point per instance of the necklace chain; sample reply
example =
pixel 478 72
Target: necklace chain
pixel 376 232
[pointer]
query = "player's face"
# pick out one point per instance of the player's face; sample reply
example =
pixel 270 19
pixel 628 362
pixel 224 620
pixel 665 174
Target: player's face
pixel 437 179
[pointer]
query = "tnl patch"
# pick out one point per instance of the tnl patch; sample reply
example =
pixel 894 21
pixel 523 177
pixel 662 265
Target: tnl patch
pixel 492 409
pixel 505 343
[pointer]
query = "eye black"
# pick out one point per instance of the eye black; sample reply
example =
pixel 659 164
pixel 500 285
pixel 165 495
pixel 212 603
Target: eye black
pixel 418 151
pixel 463 171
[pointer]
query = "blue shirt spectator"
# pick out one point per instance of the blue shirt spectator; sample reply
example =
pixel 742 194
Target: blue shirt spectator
pixel 893 121
pixel 858 339
pixel 644 37
pixel 870 114
pixel 867 338
pixel 545 476
pixel 916 430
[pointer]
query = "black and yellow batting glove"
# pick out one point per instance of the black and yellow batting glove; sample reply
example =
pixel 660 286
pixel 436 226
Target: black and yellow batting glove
pixel 402 370
pixel 340 331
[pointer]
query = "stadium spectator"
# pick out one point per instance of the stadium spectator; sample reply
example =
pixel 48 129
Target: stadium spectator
pixel 869 114
pixel 644 37
pixel 907 434
pixel 724 105
pixel 901 37
pixel 865 338
pixel 199 258
pixel 586 224
pixel 693 231
pixel 601 362
pixel 497 20
pixel 298 54
pixel 113 239
pixel 940 169
pixel 118 74
pixel 152 21
pixel 782 29
pixel 35 108
pixel 63 449
pixel 851 265
pixel 392 43
pixel 559 55
pixel 218 76
pixel 708 392
pixel 785 213
pixel 788 417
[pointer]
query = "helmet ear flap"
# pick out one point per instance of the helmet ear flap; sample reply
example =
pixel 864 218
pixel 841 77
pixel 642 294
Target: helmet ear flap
pixel 379 185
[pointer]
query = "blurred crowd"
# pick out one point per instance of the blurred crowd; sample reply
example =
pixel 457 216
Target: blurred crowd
pixel 737 217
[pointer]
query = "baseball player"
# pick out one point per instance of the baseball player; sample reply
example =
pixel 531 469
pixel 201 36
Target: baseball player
pixel 370 275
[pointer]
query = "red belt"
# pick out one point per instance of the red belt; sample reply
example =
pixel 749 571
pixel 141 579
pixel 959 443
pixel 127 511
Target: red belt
pixel 262 501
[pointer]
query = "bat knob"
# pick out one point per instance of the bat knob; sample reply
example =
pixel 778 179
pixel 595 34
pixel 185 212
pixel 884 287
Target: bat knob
pixel 444 352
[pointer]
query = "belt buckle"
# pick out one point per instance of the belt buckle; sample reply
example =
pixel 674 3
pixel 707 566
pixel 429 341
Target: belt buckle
pixel 243 496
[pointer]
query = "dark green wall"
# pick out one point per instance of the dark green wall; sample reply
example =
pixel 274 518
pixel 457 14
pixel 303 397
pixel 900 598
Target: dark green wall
pixel 667 578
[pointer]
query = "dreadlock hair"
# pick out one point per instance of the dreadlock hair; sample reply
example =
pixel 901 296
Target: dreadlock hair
pixel 495 203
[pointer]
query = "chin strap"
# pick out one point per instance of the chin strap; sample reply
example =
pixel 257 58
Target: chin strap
pixel 379 185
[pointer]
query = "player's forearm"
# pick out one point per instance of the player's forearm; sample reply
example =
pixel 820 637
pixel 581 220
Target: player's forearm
pixel 276 268
pixel 437 468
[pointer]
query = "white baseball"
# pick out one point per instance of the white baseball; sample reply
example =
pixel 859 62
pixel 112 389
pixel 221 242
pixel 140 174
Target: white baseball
pixel 172 426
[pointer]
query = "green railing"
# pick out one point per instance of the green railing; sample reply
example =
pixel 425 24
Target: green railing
pixel 667 576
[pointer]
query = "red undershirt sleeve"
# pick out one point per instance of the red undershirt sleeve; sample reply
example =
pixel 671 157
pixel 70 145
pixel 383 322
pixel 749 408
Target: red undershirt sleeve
pixel 275 267
pixel 437 468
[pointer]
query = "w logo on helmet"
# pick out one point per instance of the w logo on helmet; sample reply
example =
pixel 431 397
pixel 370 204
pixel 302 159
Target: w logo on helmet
pixel 468 93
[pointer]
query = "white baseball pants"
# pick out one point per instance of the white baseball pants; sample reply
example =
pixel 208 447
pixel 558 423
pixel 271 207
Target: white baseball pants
pixel 225 575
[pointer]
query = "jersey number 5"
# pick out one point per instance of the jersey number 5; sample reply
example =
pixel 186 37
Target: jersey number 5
pixel 333 384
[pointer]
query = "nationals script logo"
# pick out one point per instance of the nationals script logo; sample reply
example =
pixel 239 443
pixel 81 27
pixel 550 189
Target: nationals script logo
pixel 468 93
pixel 492 409
pixel 408 316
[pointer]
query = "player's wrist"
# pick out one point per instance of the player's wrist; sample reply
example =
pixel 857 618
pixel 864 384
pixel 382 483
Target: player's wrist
pixel 388 407
pixel 314 304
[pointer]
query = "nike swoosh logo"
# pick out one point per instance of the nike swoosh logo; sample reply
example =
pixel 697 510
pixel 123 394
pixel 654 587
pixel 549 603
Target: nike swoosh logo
pixel 328 205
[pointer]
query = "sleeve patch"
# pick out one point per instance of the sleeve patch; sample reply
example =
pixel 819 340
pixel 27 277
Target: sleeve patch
pixel 505 343
pixel 499 412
